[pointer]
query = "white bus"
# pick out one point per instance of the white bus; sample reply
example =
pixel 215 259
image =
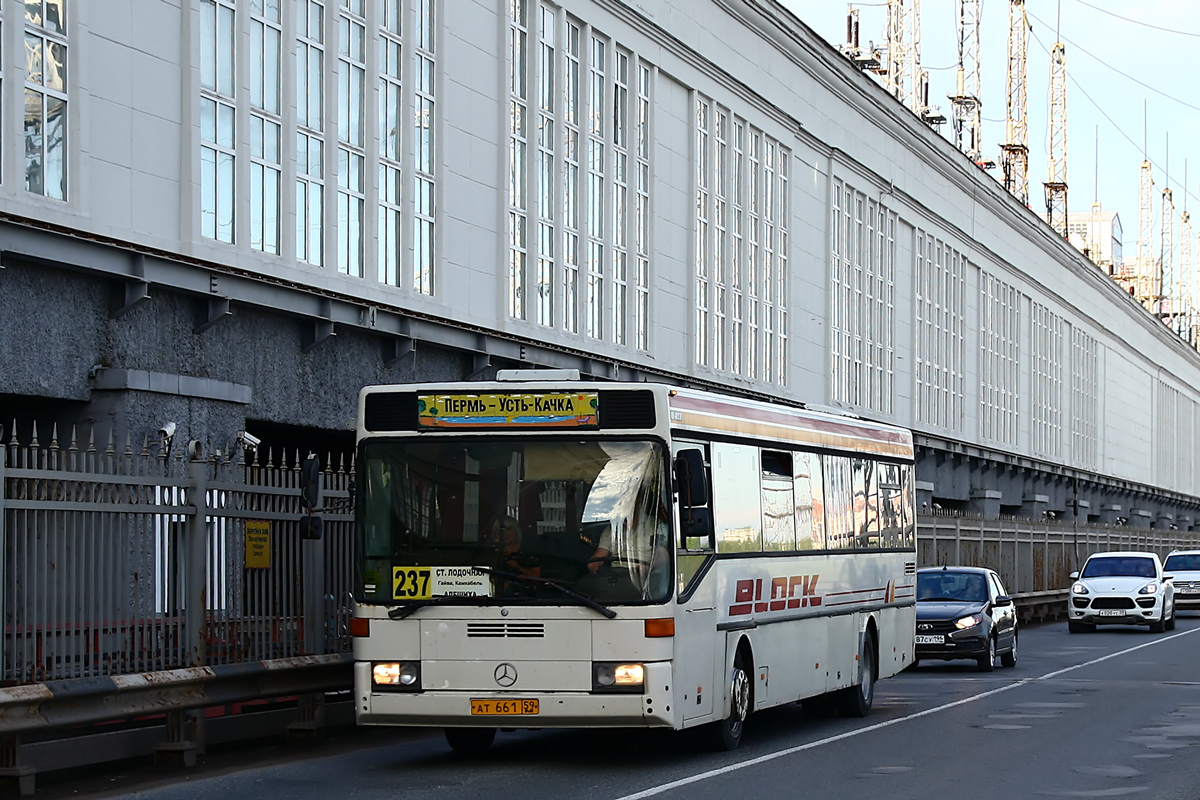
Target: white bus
pixel 542 552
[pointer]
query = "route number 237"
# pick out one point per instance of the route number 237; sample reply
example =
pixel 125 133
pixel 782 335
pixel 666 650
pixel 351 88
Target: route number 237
pixel 410 583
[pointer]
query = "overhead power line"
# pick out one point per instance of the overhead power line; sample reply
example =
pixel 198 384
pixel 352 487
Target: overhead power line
pixel 1108 117
pixel 1125 75
pixel 1138 21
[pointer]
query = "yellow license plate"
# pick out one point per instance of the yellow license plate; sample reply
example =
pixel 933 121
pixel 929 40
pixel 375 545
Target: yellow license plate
pixel 411 583
pixel 504 708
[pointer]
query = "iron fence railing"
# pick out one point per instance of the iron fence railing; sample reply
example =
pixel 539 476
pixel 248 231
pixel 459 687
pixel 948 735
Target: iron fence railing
pixel 1032 555
pixel 109 557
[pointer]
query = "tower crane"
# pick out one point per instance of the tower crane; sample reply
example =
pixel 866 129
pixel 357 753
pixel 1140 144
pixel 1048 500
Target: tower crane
pixel 1015 148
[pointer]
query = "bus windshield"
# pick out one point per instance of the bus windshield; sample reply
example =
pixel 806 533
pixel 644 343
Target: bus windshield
pixel 536 515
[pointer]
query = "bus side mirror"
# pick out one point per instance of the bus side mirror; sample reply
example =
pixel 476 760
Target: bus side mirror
pixel 691 479
pixel 695 523
pixel 310 484
pixel 311 525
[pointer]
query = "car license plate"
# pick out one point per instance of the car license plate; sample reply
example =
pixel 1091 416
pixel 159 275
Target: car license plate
pixel 1111 612
pixel 504 708
pixel 939 639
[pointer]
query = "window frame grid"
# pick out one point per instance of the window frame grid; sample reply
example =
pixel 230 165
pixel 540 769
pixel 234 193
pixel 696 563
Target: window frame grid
pixel 619 197
pixel 572 169
pixel 311 174
pixel 424 149
pixel 352 158
pixel 642 210
pixel 703 120
pixel 392 108
pixel 266 110
pixel 218 151
pixel 941 331
pixel 518 154
pixel 545 166
pixel 598 177
pixel 999 360
pixel 862 319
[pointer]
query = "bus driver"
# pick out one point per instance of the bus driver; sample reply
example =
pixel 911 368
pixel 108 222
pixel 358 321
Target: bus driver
pixel 646 549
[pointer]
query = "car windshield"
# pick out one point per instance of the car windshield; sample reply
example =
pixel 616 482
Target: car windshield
pixel 538 516
pixel 1119 566
pixel 1183 562
pixel 967 587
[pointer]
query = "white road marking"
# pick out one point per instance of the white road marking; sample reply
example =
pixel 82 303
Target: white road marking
pixel 713 773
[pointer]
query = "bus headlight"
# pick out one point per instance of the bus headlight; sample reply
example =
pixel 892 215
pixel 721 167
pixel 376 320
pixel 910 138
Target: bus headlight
pixel 612 676
pixel 397 675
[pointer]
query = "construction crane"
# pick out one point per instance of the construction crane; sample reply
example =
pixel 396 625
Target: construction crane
pixel 965 102
pixel 1015 148
pixel 1056 182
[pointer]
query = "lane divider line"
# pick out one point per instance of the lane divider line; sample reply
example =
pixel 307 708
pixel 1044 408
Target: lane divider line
pixel 728 768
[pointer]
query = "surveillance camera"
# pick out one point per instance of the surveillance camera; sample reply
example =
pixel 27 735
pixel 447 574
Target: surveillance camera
pixel 249 440
pixel 167 431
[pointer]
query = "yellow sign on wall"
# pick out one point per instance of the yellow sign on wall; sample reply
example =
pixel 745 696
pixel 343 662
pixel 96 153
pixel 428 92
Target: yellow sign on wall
pixel 258 544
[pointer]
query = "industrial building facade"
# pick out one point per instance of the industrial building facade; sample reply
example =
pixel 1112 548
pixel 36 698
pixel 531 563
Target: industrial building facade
pixel 232 214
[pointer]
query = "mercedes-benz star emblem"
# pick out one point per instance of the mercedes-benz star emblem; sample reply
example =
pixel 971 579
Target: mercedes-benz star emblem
pixel 505 674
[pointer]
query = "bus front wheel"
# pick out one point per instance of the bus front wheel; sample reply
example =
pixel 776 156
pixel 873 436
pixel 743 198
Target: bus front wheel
pixel 727 733
pixel 470 741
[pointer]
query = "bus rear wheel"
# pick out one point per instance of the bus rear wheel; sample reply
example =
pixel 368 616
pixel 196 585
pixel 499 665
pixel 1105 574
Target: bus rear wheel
pixel 855 701
pixel 727 734
pixel 470 741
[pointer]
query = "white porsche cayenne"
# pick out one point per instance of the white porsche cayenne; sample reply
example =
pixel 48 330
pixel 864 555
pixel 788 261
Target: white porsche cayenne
pixel 1123 588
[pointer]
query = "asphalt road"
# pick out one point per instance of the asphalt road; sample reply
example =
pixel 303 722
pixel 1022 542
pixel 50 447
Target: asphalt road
pixel 1108 714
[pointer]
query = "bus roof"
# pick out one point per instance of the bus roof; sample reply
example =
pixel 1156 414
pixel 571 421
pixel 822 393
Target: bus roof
pixel 664 409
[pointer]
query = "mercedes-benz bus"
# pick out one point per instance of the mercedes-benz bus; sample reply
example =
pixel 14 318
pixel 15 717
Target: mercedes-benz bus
pixel 542 551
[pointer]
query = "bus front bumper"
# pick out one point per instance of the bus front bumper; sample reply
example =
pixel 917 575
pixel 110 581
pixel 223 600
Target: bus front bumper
pixel 441 708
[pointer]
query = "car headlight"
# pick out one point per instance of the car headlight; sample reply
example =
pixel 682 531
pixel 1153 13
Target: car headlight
pixel 968 622
pixel 1078 588
pixel 404 676
pixel 609 676
pixel 1149 588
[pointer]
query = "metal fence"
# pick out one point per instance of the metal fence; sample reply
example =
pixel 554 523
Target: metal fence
pixel 118 562
pixel 1033 556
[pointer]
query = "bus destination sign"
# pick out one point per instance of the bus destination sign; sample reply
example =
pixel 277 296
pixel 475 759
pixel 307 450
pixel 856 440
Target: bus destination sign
pixel 537 410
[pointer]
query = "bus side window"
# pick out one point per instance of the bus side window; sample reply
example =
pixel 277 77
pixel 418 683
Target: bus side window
pixel 810 502
pixel 866 503
pixel 891 513
pixel 908 521
pixel 779 505
pixel 839 503
pixel 737 514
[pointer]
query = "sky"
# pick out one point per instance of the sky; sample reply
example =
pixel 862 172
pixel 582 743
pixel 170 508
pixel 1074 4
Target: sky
pixel 1131 92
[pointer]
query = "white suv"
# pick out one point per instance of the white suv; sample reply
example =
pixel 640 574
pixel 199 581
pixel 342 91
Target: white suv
pixel 1185 566
pixel 1126 588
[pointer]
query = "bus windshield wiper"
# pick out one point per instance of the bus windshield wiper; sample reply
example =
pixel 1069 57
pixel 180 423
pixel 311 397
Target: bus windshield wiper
pixel 400 612
pixel 559 585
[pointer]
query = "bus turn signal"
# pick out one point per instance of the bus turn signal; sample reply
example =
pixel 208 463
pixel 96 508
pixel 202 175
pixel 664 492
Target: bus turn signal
pixel 660 628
